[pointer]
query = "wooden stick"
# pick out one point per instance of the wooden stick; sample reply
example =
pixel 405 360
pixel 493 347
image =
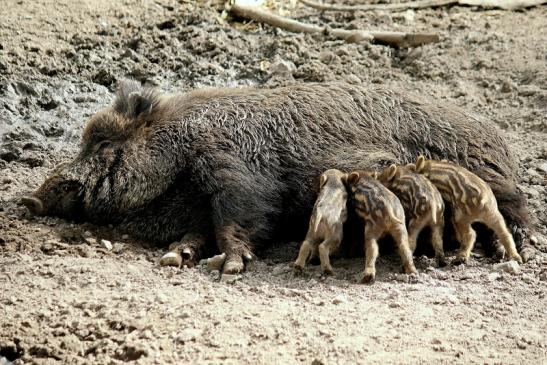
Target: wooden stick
pixel 366 7
pixel 421 4
pixel 393 39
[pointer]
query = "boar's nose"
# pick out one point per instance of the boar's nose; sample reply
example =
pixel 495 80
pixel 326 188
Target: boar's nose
pixel 33 204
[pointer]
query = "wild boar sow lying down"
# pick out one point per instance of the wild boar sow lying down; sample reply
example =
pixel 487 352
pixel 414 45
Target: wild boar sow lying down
pixel 240 164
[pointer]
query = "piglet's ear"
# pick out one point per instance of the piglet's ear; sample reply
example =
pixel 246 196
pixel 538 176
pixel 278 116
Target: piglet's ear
pixel 132 100
pixel 322 180
pixel 391 172
pixel 420 163
pixel 353 177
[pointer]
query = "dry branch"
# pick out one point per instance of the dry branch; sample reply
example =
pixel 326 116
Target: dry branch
pixel 394 39
pixel 421 4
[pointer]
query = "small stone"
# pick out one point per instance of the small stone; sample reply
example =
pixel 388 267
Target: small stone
pixel 409 16
pixel 511 267
pixel 341 298
pixel 4 361
pixel 494 276
pixel 125 236
pixel 87 234
pixel 171 259
pixel 282 67
pixel 106 245
pixel 403 278
pixel 230 279
pixel 90 241
pixel 543 276
pixel 117 247
pixel 279 270
pixel 529 279
pixel 543 167
pixel 394 305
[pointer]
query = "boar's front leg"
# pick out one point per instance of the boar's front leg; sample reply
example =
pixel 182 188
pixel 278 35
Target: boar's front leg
pixel 233 241
pixel 184 252
pixel 241 202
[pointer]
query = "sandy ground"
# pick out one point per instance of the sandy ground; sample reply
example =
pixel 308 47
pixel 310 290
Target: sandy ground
pixel 66 299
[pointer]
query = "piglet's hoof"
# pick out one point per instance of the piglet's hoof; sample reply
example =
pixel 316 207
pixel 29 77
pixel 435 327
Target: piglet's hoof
pixel 368 278
pixel 459 260
pixel 441 261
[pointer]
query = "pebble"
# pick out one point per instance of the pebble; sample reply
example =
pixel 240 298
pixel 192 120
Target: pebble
pixel 529 279
pixel 230 279
pixel 106 244
pixel 543 276
pixel 543 167
pixel 282 67
pixel 189 334
pixel 511 267
pixel 91 241
pixel 171 259
pixel 117 247
pixel 4 361
pixel 494 276
pixel 341 298
pixel 125 236
pixel 87 234
pixel 279 270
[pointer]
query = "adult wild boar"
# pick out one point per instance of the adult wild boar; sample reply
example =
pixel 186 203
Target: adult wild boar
pixel 241 164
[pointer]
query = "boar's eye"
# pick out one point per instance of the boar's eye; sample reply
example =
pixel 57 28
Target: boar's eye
pixel 103 144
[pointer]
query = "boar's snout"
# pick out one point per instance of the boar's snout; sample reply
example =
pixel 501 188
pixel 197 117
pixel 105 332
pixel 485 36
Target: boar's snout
pixel 34 205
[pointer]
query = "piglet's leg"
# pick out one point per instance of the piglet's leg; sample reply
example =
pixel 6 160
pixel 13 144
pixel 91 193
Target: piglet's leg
pixel 400 236
pixel 303 255
pixel 325 249
pixel 495 221
pixel 437 242
pixel 371 253
pixel 466 235
pixel 415 226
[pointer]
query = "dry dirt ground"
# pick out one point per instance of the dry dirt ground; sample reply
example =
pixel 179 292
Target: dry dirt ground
pixel 65 299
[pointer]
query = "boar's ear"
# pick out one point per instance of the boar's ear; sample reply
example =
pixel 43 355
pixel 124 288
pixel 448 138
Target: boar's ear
pixel 322 180
pixel 353 177
pixel 133 101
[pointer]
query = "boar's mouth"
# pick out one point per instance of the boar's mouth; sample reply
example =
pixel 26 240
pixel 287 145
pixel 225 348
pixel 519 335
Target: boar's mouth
pixel 34 205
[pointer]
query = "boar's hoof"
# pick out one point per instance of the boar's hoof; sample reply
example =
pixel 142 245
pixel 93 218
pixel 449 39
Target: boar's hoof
pixel 233 265
pixel 215 262
pixel 33 204
pixel 171 259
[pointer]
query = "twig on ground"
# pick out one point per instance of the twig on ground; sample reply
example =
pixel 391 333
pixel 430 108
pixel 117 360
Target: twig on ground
pixel 421 4
pixel 394 39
